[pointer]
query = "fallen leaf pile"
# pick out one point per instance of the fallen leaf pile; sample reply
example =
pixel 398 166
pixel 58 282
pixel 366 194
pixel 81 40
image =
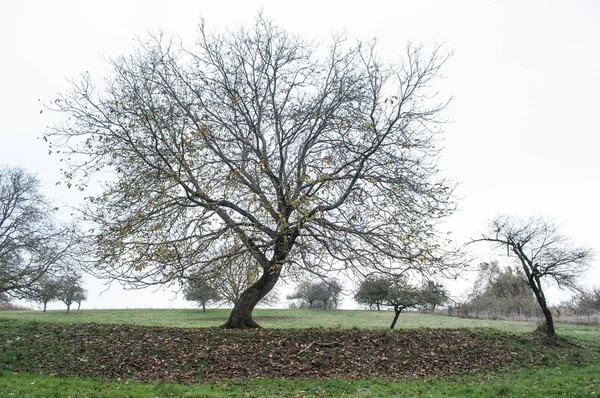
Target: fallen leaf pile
pixel 194 355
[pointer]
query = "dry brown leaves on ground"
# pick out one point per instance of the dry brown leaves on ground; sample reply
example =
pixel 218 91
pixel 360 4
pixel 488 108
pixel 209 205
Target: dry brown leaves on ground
pixel 194 355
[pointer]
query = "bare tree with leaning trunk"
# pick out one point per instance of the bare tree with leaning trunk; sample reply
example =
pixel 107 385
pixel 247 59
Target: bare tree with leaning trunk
pixel 543 254
pixel 259 145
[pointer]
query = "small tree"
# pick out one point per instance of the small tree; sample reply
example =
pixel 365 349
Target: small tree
pixel 336 288
pixel 432 295
pixel 320 294
pixel 395 292
pixel 309 292
pixel 373 291
pixel 201 292
pixel 80 295
pixel 70 289
pixel 401 296
pixel 543 254
pixel 44 291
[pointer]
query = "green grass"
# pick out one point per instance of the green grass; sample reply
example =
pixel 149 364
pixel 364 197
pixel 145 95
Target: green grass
pixel 288 318
pixel 566 381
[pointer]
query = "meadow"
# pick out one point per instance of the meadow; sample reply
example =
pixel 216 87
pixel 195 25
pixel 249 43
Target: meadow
pixel 572 369
pixel 291 319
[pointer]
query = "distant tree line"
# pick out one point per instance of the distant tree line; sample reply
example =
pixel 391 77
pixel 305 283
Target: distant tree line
pixel 588 302
pixel 581 308
pixel 502 293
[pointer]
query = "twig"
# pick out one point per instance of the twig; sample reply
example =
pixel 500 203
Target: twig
pixel 335 343
pixel 328 344
pixel 307 347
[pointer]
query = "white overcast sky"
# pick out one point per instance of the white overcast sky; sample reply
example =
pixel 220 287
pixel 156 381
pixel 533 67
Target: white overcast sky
pixel 525 77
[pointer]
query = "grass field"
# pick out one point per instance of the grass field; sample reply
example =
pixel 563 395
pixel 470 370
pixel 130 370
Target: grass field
pixel 563 381
pixel 290 318
pixel 569 372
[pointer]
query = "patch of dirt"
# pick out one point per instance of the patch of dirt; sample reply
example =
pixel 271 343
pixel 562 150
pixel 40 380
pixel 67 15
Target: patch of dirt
pixel 194 355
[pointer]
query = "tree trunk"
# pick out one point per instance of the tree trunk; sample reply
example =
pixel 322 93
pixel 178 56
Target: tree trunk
pixel 541 299
pixel 549 322
pixel 78 306
pixel 241 315
pixel 397 311
pixel 203 307
pixel 44 307
pixel 68 308
pixel 378 306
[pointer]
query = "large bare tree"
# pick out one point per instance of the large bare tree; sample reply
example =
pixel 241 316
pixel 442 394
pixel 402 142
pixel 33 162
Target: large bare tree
pixel 543 255
pixel 258 144
pixel 32 244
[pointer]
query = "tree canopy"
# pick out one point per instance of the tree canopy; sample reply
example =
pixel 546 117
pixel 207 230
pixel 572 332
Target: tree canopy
pixel 70 289
pixel 433 295
pixel 201 292
pixel 258 145
pixel 44 291
pixel 318 294
pixel 401 296
pixel 373 291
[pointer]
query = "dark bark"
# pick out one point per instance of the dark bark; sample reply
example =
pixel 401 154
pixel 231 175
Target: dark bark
pixel 241 315
pixel 397 314
pixel 68 308
pixel 541 299
pixel 203 307
pixel 44 307
pixel 78 306
pixel 549 322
